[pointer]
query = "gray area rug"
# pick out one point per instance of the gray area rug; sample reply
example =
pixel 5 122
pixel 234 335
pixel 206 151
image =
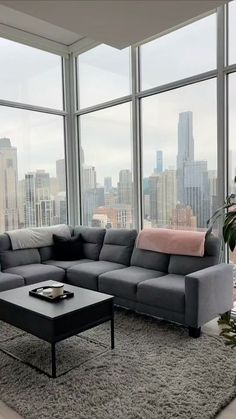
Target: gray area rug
pixel 155 372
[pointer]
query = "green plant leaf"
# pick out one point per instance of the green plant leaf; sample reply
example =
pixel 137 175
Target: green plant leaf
pixel 232 239
pixel 228 225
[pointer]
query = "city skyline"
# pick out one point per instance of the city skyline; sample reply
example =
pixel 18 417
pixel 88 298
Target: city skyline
pixel 185 193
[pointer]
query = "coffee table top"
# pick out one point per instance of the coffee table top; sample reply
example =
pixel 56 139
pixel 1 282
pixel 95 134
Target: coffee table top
pixel 82 298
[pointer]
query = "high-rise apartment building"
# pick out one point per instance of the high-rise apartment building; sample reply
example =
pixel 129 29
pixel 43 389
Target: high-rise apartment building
pixel 8 186
pixel 166 199
pixel 30 200
pixel 89 177
pixel 125 187
pixel 185 149
pixel 196 190
pixel 89 182
pixel 39 205
pixel 183 218
pixel 107 184
pixel 154 193
pixel 61 175
pixel 159 162
pixel 213 198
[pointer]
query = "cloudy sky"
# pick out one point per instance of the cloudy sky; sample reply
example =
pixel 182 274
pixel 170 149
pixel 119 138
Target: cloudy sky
pixel 32 76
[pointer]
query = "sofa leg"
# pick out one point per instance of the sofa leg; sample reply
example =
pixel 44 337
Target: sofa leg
pixel 194 332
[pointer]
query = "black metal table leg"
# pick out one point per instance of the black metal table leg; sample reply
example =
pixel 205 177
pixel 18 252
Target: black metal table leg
pixel 53 348
pixel 112 330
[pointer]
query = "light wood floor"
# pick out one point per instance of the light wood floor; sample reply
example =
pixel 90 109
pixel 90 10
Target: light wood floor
pixel 228 413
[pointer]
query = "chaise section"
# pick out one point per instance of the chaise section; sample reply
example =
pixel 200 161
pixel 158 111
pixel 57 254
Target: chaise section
pixel 9 281
pixel 123 283
pixel 86 275
pixel 166 292
pixel 37 272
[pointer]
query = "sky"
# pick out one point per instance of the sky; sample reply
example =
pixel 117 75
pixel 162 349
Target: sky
pixel 33 76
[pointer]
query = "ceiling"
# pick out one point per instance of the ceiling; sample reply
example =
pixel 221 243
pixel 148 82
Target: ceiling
pixel 118 23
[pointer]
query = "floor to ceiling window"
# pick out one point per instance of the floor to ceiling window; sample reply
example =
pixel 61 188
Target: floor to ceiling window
pixel 182 53
pixel 180 156
pixel 232 32
pixel 105 138
pixel 148 131
pixel 231 114
pixel 32 156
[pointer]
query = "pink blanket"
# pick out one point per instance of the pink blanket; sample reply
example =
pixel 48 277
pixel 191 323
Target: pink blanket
pixel 175 242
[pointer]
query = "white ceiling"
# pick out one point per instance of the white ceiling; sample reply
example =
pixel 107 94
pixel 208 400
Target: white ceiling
pixel 118 23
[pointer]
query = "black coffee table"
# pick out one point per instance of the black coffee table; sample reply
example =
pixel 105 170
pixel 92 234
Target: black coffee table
pixel 56 321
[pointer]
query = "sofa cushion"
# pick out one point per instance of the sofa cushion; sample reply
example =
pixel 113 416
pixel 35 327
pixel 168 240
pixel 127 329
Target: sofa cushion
pixel 46 253
pixel 118 246
pixel 67 249
pixel 184 265
pixel 66 264
pixel 150 260
pixel 167 292
pixel 5 242
pixel 123 282
pixel 86 274
pixel 92 239
pixel 11 258
pixel 9 281
pixel 38 272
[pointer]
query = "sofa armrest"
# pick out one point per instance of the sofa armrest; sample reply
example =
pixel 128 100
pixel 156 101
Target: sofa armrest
pixel 208 293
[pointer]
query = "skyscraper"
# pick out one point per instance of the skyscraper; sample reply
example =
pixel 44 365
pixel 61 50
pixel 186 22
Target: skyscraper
pixel 61 175
pixel 8 186
pixel 125 187
pixel 196 190
pixel 89 183
pixel 89 177
pixel 166 199
pixel 107 184
pixel 39 207
pixel 30 200
pixel 154 193
pixel 159 162
pixel 213 198
pixel 185 149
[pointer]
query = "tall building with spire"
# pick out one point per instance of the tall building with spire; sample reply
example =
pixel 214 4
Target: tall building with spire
pixel 185 149
pixel 8 186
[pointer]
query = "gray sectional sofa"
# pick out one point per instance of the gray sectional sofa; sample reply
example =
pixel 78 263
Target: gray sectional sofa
pixel 184 289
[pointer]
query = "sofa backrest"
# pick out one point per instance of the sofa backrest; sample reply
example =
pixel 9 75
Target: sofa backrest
pixel 184 265
pixel 118 246
pixel 150 260
pixel 92 239
pixel 10 258
pixel 47 252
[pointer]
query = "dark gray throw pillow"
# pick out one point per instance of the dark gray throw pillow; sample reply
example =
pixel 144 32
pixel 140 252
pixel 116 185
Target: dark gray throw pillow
pixel 67 249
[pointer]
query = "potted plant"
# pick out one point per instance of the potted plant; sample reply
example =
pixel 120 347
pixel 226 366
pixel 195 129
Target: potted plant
pixel 226 215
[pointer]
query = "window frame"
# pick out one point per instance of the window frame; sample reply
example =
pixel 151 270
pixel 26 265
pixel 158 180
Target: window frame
pixel 64 113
